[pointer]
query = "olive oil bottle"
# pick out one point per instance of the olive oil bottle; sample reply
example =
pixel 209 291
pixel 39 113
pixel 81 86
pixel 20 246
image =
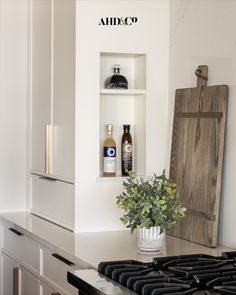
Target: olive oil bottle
pixel 109 153
pixel 126 151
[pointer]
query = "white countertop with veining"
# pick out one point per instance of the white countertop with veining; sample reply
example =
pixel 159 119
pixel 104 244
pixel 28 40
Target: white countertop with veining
pixel 93 248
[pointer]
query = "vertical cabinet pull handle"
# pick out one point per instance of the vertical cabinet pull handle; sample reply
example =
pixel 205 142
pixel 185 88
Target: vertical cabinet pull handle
pixel 15 231
pixel 16 281
pixel 63 259
pixel 48 150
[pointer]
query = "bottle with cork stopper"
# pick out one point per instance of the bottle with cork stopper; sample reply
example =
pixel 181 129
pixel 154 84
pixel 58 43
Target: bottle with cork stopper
pixel 126 151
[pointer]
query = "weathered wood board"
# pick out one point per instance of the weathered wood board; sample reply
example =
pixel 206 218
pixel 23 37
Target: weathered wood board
pixel 197 158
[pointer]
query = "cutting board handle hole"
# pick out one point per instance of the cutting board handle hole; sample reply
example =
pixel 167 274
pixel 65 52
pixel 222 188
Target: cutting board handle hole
pixel 199 75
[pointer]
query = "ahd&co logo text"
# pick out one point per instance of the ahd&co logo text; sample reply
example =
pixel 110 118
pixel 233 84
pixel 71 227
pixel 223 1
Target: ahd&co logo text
pixel 118 21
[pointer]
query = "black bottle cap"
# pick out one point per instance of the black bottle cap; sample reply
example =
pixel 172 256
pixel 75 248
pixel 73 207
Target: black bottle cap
pixel 126 127
pixel 116 69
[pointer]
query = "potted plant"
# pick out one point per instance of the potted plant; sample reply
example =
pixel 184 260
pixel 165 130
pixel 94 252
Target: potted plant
pixel 151 207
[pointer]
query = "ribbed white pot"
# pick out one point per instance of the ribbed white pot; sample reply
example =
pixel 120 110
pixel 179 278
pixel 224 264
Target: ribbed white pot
pixel 150 239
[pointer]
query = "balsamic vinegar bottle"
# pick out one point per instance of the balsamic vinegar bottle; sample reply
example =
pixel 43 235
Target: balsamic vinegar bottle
pixel 116 80
pixel 109 153
pixel 126 151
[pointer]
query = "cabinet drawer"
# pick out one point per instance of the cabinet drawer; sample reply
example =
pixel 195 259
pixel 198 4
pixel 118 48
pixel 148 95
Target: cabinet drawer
pixel 46 290
pixel 54 269
pixel 53 200
pixel 21 247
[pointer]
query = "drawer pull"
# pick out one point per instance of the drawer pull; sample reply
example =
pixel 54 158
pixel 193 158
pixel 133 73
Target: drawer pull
pixel 56 293
pixel 63 259
pixel 48 178
pixel 15 231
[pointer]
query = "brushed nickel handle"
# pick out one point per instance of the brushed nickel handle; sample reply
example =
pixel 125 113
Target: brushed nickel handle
pixel 63 259
pixel 16 281
pixel 15 231
pixel 48 150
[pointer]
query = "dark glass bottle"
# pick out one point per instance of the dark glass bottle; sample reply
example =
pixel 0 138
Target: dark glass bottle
pixel 116 80
pixel 126 151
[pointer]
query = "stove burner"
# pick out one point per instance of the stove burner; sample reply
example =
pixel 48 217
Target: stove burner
pixel 176 275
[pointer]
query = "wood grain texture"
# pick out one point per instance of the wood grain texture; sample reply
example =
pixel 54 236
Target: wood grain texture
pixel 197 158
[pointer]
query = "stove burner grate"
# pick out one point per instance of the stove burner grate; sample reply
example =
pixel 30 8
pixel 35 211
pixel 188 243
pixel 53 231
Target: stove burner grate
pixel 176 275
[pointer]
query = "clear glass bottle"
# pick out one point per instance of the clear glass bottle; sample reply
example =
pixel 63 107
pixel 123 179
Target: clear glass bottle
pixel 116 80
pixel 109 153
pixel 126 151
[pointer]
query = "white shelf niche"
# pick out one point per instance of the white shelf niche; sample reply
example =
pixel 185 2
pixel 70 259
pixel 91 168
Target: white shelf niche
pixel 119 107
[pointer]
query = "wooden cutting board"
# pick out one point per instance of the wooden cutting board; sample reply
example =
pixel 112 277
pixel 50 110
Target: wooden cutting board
pixel 197 157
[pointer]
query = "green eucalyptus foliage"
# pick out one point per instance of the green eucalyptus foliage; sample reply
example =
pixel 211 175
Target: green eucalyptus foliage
pixel 151 202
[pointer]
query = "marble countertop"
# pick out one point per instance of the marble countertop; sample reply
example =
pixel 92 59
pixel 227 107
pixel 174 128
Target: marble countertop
pixel 93 248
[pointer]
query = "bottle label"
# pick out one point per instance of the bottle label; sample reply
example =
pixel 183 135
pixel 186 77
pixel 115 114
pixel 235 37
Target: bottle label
pixel 127 156
pixel 109 165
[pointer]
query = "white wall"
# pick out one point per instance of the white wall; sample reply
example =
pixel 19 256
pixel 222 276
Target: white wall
pixel 96 199
pixel 203 32
pixel 13 93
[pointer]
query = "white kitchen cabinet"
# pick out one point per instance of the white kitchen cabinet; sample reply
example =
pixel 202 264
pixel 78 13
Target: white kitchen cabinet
pixel 50 262
pixel 28 283
pixel 81 54
pixel 22 248
pixel 53 200
pixel 53 89
pixel 19 262
pixel 30 268
pixel 46 290
pixel 16 279
pixel 41 82
pixel 8 274
pixel 63 107
pixel 52 110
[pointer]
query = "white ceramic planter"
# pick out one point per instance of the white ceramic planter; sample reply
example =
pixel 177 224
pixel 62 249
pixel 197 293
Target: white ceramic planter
pixel 150 239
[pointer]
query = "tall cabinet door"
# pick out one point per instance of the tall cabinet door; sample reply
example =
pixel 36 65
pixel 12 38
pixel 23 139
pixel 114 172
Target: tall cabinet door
pixel 41 82
pixel 63 143
pixel 15 279
pixel 28 283
pixel 53 109
pixel 7 275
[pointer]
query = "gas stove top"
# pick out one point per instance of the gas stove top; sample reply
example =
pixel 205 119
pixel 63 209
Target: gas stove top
pixel 171 275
